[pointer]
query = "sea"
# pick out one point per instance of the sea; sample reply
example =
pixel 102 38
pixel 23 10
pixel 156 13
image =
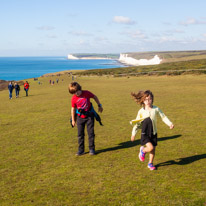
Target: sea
pixel 20 68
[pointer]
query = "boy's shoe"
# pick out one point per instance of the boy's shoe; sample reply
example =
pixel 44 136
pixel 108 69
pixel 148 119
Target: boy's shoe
pixel 151 166
pixel 92 152
pixel 142 154
pixel 79 153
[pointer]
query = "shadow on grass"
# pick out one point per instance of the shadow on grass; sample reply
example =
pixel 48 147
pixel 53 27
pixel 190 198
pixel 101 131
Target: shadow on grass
pixel 129 144
pixel 182 161
pixel 122 145
pixel 171 137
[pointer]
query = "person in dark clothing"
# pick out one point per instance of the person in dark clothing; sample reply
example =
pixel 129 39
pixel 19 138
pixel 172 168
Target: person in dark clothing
pixel 17 89
pixel 82 115
pixel 10 88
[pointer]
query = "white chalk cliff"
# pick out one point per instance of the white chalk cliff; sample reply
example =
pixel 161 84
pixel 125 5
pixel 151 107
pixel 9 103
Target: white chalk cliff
pixel 135 62
pixel 70 56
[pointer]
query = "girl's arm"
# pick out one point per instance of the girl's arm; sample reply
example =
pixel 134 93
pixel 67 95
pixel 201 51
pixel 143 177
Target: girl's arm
pixel 135 127
pixel 165 119
pixel 134 132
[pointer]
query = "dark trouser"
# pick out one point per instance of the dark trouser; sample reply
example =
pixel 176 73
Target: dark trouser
pixel 26 90
pixel 17 92
pixel 10 94
pixel 81 122
pixel 147 133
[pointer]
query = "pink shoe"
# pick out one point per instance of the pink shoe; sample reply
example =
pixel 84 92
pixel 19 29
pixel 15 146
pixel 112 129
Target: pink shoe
pixel 142 154
pixel 151 166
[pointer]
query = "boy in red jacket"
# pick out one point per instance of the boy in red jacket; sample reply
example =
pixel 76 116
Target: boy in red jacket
pixel 82 106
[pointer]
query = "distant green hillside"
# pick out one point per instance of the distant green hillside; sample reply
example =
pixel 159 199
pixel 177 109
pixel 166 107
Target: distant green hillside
pixel 166 56
pixel 173 63
pixel 80 55
pixel 170 56
pixel 169 68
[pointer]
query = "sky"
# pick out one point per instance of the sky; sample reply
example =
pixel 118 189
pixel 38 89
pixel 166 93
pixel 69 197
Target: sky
pixel 62 27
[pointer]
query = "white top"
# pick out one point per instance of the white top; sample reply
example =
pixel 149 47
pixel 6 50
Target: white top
pixel 143 114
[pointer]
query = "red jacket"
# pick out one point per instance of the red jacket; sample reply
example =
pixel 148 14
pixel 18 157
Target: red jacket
pixel 26 85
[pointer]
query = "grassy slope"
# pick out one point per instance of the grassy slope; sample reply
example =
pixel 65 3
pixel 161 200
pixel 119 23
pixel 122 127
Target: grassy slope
pixel 171 56
pixel 113 56
pixel 37 161
pixel 166 56
pixel 172 68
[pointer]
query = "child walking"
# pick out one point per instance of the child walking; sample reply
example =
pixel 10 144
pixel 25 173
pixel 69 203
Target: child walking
pixel 147 120
pixel 82 114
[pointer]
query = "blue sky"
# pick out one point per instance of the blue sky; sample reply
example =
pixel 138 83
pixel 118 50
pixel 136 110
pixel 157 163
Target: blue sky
pixel 57 28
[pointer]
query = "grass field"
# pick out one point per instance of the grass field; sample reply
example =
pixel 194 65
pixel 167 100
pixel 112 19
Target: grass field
pixel 171 56
pixel 172 68
pixel 38 165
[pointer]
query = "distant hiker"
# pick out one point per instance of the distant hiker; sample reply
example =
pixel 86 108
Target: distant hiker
pixel 147 120
pixel 82 115
pixel 10 88
pixel 50 81
pixel 26 87
pixel 17 89
pixel 57 80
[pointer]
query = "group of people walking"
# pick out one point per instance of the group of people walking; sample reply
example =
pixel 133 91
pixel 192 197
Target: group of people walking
pixel 17 88
pixel 52 82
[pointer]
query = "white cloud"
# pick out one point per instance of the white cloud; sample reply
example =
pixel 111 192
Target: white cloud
pixel 192 21
pixel 185 40
pixel 81 42
pixel 203 37
pixel 101 39
pixel 45 28
pixel 138 34
pixel 135 34
pixel 164 39
pixel 52 36
pixel 123 20
pixel 79 33
pixel 167 39
pixel 167 23
pixel 173 31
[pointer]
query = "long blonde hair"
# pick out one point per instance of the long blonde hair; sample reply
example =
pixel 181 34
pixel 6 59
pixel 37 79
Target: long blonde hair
pixel 141 95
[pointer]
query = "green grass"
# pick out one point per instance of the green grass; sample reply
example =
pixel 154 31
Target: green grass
pixel 171 56
pixel 166 56
pixel 171 68
pixel 38 165
pixel 112 56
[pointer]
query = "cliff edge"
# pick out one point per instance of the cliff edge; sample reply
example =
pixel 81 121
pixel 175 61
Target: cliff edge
pixel 125 59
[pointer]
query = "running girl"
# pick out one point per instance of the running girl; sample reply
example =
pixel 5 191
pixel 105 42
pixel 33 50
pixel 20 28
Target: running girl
pixel 147 120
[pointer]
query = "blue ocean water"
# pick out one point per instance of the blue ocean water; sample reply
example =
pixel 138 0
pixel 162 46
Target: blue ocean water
pixel 20 68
